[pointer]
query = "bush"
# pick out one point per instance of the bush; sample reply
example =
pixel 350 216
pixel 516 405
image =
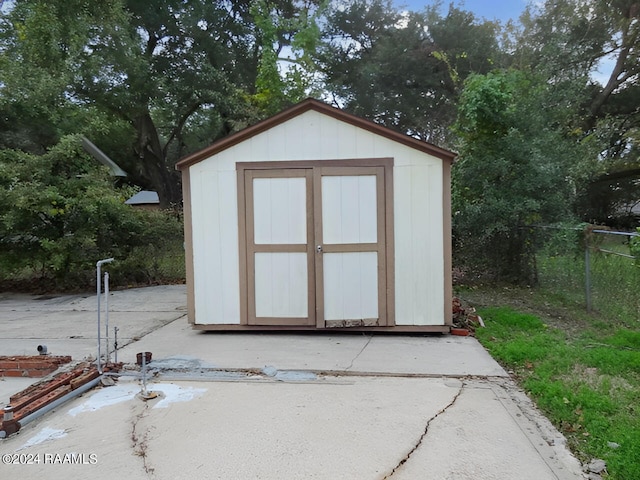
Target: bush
pixel 514 172
pixel 60 213
pixel 635 248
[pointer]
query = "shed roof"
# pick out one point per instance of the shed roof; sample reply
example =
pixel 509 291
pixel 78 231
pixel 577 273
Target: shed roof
pixel 143 197
pixel 321 107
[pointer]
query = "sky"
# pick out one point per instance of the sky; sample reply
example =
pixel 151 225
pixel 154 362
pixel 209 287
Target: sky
pixel 502 10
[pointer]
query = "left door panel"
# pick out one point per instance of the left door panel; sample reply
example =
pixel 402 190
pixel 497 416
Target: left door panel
pixel 279 234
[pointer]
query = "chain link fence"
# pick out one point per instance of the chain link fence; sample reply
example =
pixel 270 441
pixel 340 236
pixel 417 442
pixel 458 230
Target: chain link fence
pixel 593 267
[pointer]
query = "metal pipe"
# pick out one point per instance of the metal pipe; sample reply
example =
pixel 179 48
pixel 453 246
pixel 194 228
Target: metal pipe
pixel 56 403
pixel 615 253
pixel 608 232
pixel 99 264
pixel 122 374
pixel 8 413
pixel 106 312
pixel 144 373
pixel 115 343
pixel 587 276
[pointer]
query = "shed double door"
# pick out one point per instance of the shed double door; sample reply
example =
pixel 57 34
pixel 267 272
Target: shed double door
pixel 315 246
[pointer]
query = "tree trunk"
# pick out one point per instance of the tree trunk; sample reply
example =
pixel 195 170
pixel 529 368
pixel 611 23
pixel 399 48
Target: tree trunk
pixel 155 168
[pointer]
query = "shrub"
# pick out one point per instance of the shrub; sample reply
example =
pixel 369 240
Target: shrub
pixel 635 248
pixel 60 213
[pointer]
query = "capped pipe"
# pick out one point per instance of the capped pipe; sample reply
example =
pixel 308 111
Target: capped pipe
pixel 8 413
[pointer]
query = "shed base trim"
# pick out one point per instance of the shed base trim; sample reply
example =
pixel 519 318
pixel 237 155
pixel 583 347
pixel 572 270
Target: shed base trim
pixel 276 328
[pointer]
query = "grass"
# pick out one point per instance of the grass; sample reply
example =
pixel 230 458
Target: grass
pixel 615 280
pixel 582 369
pixel 587 382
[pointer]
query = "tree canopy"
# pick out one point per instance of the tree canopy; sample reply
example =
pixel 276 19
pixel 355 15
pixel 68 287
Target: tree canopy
pixel 169 76
pixel 544 112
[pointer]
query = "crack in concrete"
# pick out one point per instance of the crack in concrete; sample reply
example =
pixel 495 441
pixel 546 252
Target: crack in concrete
pixel 359 353
pixel 424 434
pixel 140 443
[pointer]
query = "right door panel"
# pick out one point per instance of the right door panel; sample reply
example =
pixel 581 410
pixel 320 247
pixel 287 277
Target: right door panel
pixel 350 250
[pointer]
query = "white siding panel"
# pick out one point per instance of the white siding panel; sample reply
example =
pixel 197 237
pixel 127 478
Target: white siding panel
pixel 350 285
pixel 279 210
pixel 215 248
pixel 281 285
pixel 419 263
pixel 349 209
pixel 227 203
pixel 314 136
pixel 419 259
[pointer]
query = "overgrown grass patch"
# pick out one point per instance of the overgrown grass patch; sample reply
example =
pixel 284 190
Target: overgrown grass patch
pixel 587 383
pixel 615 280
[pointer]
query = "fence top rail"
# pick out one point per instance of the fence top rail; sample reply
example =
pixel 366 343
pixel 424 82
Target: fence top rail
pixel 610 232
pixel 614 253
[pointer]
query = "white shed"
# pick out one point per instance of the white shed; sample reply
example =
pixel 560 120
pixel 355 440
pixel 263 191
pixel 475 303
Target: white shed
pixel 317 219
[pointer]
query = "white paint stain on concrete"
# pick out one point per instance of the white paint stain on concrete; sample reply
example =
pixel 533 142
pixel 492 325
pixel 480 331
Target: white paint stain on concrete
pixel 105 397
pixel 43 435
pixel 175 393
pixel 127 391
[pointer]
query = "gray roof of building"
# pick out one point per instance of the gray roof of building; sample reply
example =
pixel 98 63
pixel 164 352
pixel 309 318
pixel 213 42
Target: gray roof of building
pixel 143 197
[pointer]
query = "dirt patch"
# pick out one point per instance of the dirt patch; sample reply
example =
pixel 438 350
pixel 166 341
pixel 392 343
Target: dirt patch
pixel 527 300
pixel 592 377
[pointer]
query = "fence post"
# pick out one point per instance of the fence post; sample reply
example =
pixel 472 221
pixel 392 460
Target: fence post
pixel 587 274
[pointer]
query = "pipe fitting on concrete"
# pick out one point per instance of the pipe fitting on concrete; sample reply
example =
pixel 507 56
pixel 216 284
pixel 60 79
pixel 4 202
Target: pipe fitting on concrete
pixel 8 413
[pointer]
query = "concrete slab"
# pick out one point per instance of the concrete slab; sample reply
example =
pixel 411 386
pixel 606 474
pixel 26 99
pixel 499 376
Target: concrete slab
pixel 12 385
pixel 348 428
pixel 392 407
pixel 439 355
pixel 67 324
pixel 162 298
pixel 353 353
pixel 479 436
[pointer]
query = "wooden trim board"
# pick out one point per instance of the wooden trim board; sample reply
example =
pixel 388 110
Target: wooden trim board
pixel 382 168
pixel 188 245
pixel 320 107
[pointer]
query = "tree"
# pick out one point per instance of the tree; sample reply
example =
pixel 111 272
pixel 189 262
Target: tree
pixel 178 74
pixel 287 39
pixel 404 70
pixel 570 41
pixel 517 168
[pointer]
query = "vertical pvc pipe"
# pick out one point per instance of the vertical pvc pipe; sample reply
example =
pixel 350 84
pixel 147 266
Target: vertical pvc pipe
pixel 99 264
pixel 98 293
pixel 106 312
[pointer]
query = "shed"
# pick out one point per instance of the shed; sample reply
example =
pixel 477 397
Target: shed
pixel 318 219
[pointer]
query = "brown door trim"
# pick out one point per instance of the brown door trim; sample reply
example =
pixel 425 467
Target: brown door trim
pixel 386 267
pixel 379 247
pixel 250 248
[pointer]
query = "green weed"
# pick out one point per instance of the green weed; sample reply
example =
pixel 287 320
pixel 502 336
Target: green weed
pixel 587 382
pixel 615 280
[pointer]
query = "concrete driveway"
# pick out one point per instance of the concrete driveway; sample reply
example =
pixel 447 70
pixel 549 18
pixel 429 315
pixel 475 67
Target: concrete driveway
pixel 271 406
